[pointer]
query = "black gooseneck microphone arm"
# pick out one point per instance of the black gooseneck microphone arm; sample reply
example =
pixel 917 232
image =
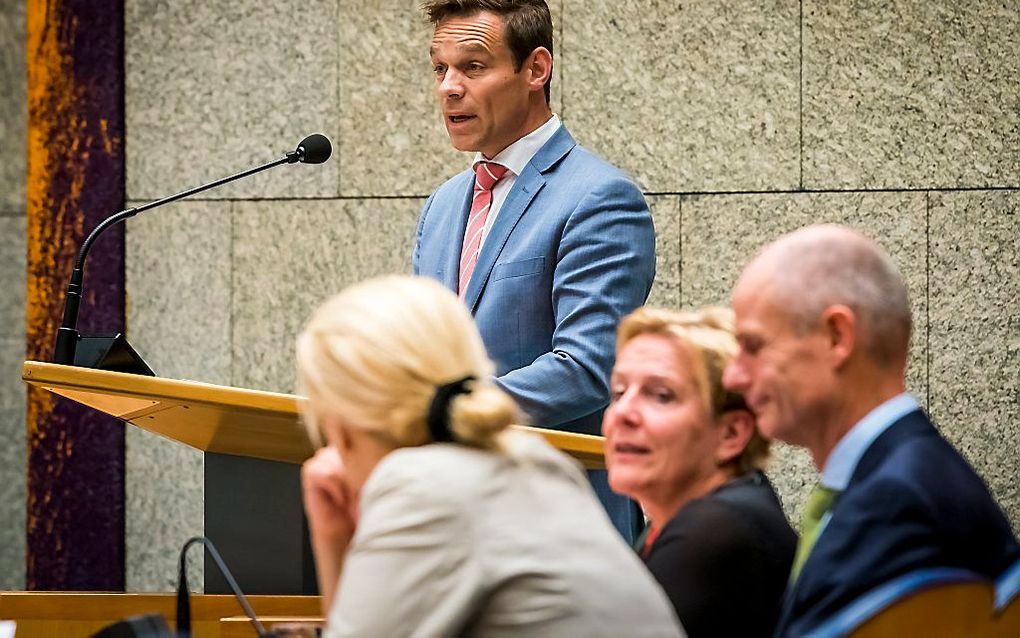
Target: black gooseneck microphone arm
pixel 314 149
pixel 183 593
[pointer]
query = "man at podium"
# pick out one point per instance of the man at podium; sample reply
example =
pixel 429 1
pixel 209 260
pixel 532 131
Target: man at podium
pixel 547 244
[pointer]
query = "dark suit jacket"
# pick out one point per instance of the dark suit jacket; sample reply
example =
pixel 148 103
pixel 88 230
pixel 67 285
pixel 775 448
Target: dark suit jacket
pixel 724 560
pixel 570 253
pixel 912 502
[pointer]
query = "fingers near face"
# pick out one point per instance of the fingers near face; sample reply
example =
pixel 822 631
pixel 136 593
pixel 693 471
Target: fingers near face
pixel 324 474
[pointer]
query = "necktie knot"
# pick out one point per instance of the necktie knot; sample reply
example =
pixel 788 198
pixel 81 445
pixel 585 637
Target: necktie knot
pixel 487 174
pixel 819 502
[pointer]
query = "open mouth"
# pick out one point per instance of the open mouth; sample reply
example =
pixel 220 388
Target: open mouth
pixel 457 119
pixel 629 448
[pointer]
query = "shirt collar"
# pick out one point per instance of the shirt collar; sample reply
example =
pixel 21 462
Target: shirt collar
pixel 517 155
pixel 848 452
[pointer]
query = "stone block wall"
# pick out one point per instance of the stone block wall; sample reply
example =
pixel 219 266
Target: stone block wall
pixel 740 119
pixel 13 246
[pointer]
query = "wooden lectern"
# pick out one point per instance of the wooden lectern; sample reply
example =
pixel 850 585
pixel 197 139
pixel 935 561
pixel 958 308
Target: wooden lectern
pixel 254 445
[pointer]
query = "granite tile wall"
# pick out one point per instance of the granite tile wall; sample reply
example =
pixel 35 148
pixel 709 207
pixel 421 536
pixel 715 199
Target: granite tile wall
pixel 13 444
pixel 179 291
pixel 740 120
pixel 13 122
pixel 215 88
pixel 13 105
pixel 910 94
pixel 390 127
pixel 975 332
pixel 686 96
pixel 290 256
pixel 666 217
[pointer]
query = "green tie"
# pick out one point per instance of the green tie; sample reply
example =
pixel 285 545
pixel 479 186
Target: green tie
pixel 819 502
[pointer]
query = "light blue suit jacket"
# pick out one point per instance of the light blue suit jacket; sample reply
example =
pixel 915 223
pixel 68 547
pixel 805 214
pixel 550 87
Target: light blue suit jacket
pixel 572 250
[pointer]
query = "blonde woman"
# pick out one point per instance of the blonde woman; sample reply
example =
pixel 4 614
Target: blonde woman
pixel 427 516
pixel 690 453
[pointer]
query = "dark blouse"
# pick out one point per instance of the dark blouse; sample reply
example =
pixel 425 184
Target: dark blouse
pixel 724 559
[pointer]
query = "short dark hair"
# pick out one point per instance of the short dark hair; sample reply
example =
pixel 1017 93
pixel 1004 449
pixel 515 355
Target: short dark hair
pixel 527 24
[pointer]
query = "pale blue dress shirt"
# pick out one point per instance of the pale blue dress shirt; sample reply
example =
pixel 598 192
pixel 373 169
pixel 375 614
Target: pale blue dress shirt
pixel 848 452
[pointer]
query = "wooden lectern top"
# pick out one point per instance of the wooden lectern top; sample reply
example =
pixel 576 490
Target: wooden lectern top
pixel 221 419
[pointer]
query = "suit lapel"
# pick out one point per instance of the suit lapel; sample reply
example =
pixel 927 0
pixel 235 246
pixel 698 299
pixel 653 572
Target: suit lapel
pixel 524 190
pixel 910 425
pixel 458 224
pixel 517 201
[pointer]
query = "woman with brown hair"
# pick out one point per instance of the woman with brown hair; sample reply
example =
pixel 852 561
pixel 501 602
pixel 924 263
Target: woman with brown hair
pixel 689 452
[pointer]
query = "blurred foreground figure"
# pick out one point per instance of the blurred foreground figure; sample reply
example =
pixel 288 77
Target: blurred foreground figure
pixel 689 452
pixel 427 516
pixel 824 328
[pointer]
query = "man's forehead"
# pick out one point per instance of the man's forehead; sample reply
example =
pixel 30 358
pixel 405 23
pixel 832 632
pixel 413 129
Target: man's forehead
pixel 481 31
pixel 746 292
pixel 755 305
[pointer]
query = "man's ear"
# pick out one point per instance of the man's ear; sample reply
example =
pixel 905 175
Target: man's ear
pixel 539 65
pixel 839 324
pixel 735 429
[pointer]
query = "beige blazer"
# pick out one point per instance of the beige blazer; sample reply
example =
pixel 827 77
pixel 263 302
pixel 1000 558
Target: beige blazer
pixel 454 541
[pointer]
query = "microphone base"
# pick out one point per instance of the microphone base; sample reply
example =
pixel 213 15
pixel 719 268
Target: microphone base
pixel 148 626
pixel 110 352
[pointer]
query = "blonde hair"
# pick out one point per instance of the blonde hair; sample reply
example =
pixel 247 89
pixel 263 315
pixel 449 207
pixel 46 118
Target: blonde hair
pixel 376 353
pixel 707 336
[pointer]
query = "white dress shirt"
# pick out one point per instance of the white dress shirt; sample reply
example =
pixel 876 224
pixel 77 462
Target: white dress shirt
pixel 515 157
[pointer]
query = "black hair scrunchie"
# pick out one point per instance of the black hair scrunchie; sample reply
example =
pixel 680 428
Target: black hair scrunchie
pixel 438 417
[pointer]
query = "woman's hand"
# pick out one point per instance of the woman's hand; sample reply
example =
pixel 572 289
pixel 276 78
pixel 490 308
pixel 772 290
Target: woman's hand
pixel 332 510
pixel 330 504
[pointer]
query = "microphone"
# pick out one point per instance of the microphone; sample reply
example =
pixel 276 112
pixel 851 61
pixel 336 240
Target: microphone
pixel 112 352
pixel 314 149
pixel 183 593
pixel 155 626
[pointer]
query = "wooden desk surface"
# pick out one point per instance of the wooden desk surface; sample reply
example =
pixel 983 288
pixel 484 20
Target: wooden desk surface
pixel 222 419
pixel 240 626
pixel 72 614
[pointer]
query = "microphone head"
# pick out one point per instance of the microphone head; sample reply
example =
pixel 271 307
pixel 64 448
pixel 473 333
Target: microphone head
pixel 314 149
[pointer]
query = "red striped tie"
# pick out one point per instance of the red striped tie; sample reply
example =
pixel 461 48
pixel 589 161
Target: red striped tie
pixel 487 174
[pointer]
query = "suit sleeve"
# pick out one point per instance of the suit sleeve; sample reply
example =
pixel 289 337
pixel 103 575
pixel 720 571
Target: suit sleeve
pixel 604 269
pixel 416 252
pixel 410 569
